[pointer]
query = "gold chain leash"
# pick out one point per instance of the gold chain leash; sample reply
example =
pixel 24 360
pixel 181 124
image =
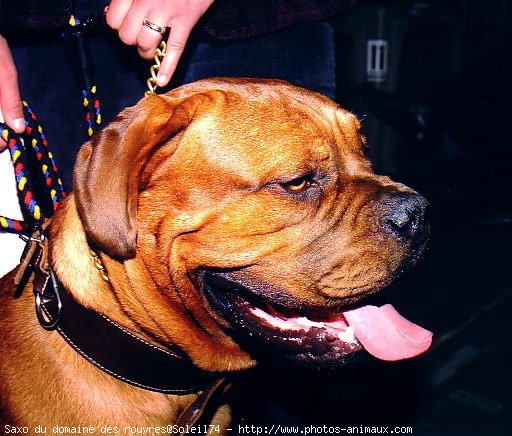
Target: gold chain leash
pixel 99 265
pixel 159 55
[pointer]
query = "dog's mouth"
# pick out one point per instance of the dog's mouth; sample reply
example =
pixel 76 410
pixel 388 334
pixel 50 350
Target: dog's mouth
pixel 314 335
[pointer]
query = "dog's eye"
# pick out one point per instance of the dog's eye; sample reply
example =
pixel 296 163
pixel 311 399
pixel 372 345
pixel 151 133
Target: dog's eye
pixel 298 185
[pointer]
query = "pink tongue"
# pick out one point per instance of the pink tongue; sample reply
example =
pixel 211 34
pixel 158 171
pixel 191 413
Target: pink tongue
pixel 386 334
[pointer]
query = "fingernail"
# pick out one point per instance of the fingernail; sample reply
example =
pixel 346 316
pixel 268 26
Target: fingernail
pixel 18 124
pixel 160 80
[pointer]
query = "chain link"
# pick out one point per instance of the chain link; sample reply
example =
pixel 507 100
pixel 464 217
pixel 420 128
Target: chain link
pixel 99 265
pixel 159 55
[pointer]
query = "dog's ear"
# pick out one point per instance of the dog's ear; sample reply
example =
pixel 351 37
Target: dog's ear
pixel 109 166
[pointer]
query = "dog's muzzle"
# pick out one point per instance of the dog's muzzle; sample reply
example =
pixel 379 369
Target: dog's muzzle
pixel 319 336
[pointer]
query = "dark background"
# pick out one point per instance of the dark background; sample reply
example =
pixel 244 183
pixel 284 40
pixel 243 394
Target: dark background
pixel 438 119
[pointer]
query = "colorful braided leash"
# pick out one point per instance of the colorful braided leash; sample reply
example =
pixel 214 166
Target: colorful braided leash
pixel 92 110
pixel 77 29
pixel 31 147
pixel 25 149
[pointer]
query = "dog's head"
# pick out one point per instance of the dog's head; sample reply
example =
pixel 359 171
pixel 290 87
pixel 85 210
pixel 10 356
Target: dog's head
pixel 251 204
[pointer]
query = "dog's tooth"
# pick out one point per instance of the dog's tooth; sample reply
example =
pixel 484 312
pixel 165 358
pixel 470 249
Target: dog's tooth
pixel 347 335
pixel 303 321
pixel 274 321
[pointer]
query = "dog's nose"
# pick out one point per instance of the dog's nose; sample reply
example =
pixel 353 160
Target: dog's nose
pixel 406 215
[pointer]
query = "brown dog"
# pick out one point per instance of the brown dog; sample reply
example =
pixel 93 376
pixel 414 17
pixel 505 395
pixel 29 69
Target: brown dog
pixel 223 211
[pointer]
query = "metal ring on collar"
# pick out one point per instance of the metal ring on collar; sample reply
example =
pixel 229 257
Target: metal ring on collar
pixel 49 321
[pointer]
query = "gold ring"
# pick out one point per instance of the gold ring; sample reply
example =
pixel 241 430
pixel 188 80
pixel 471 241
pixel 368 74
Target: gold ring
pixel 154 26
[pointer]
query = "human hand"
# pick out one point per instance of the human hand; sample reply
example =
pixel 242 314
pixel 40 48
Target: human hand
pixel 11 109
pixel 127 17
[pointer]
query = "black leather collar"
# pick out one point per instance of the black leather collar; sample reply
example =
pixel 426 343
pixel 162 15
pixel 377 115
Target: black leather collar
pixel 127 357
pixel 101 341
pixel 116 350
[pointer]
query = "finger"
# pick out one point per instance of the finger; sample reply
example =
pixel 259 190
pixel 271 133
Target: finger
pixel 3 144
pixel 10 100
pixel 148 39
pixel 133 24
pixel 116 12
pixel 175 46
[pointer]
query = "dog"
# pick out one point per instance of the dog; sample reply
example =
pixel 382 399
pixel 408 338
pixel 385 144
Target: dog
pixel 225 217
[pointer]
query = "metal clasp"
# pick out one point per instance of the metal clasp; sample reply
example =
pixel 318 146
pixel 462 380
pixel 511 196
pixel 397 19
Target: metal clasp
pixel 43 299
